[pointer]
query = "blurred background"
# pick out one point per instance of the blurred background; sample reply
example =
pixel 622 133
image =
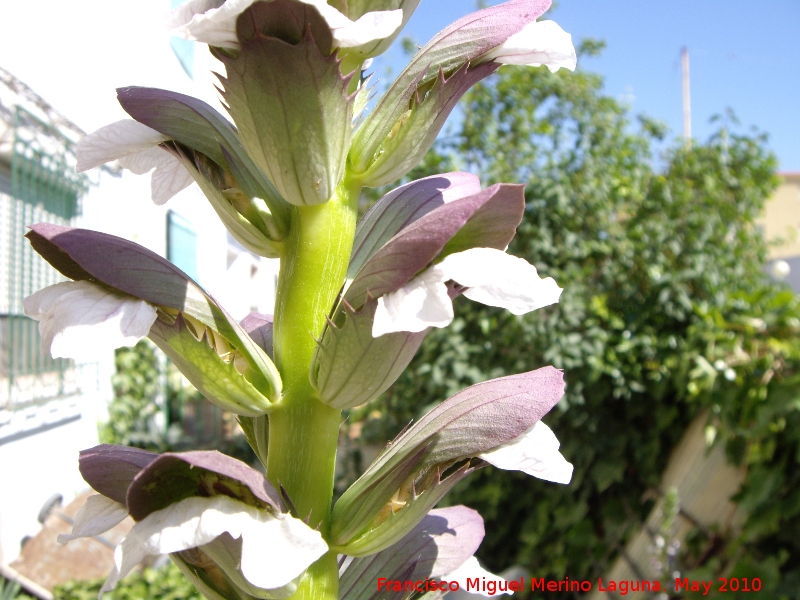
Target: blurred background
pixel 663 195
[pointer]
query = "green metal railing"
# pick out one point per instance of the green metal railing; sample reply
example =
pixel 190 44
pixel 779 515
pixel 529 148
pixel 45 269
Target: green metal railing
pixel 44 188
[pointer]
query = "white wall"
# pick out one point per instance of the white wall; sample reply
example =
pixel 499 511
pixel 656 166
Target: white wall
pixel 39 455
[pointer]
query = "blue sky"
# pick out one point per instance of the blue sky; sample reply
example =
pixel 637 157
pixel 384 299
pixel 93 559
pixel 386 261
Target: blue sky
pixel 744 56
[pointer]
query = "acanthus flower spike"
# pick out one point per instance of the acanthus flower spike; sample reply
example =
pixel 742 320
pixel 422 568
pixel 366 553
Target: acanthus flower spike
pixel 353 301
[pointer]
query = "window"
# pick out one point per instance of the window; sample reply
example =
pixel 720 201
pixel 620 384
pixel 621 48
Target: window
pixel 181 244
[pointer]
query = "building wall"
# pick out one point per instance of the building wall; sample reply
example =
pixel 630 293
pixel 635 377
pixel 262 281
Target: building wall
pixel 48 411
pixel 780 226
pixel 41 459
pixel 781 221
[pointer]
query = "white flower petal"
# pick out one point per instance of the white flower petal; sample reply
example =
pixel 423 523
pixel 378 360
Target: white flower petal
pixel 82 320
pixel 286 544
pixel 275 549
pixel 535 452
pixel 214 23
pixel 209 21
pixel 97 516
pixel 471 569
pixel 495 278
pixel 136 147
pixel 168 179
pixel 538 43
pixel 421 303
pixel 183 14
pixel 116 141
pixel 370 27
pixel 492 277
pixel 145 161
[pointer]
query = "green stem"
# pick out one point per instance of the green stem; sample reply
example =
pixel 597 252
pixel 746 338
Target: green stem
pixel 303 432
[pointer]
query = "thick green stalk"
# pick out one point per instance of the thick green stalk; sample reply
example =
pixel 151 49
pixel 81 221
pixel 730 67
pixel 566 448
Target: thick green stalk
pixel 303 432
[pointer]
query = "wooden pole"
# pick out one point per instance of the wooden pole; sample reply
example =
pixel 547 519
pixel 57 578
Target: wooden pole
pixel 687 100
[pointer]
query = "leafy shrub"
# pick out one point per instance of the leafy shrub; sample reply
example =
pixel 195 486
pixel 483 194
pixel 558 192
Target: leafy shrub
pixel 165 583
pixel 665 313
pixel 133 410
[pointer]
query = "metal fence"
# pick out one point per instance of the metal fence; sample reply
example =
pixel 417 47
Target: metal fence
pixel 44 187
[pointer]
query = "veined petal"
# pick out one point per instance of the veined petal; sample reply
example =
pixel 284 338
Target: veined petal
pixel 275 549
pixel 168 179
pixel 144 161
pixel 136 147
pixel 97 516
pixel 82 320
pixel 539 43
pixel 116 141
pixel 214 22
pixel 423 302
pixel 170 175
pixel 495 278
pixel 285 542
pixel 472 569
pixel 535 452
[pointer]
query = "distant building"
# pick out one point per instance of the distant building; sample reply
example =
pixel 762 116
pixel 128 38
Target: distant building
pixel 780 226
pixel 49 409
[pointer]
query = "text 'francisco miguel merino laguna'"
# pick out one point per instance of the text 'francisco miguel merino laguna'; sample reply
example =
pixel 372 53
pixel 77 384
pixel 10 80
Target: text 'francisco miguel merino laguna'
pixel 623 587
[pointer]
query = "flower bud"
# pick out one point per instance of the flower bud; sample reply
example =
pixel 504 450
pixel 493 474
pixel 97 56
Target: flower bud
pixel 427 459
pixel 403 232
pixel 224 523
pixel 214 352
pixel 402 127
pixel 218 371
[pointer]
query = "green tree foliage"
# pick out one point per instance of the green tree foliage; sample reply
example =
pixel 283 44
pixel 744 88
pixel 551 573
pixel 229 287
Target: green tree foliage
pixel 132 412
pixel 665 313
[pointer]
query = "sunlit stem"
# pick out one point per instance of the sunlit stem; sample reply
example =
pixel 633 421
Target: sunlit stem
pixel 303 432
